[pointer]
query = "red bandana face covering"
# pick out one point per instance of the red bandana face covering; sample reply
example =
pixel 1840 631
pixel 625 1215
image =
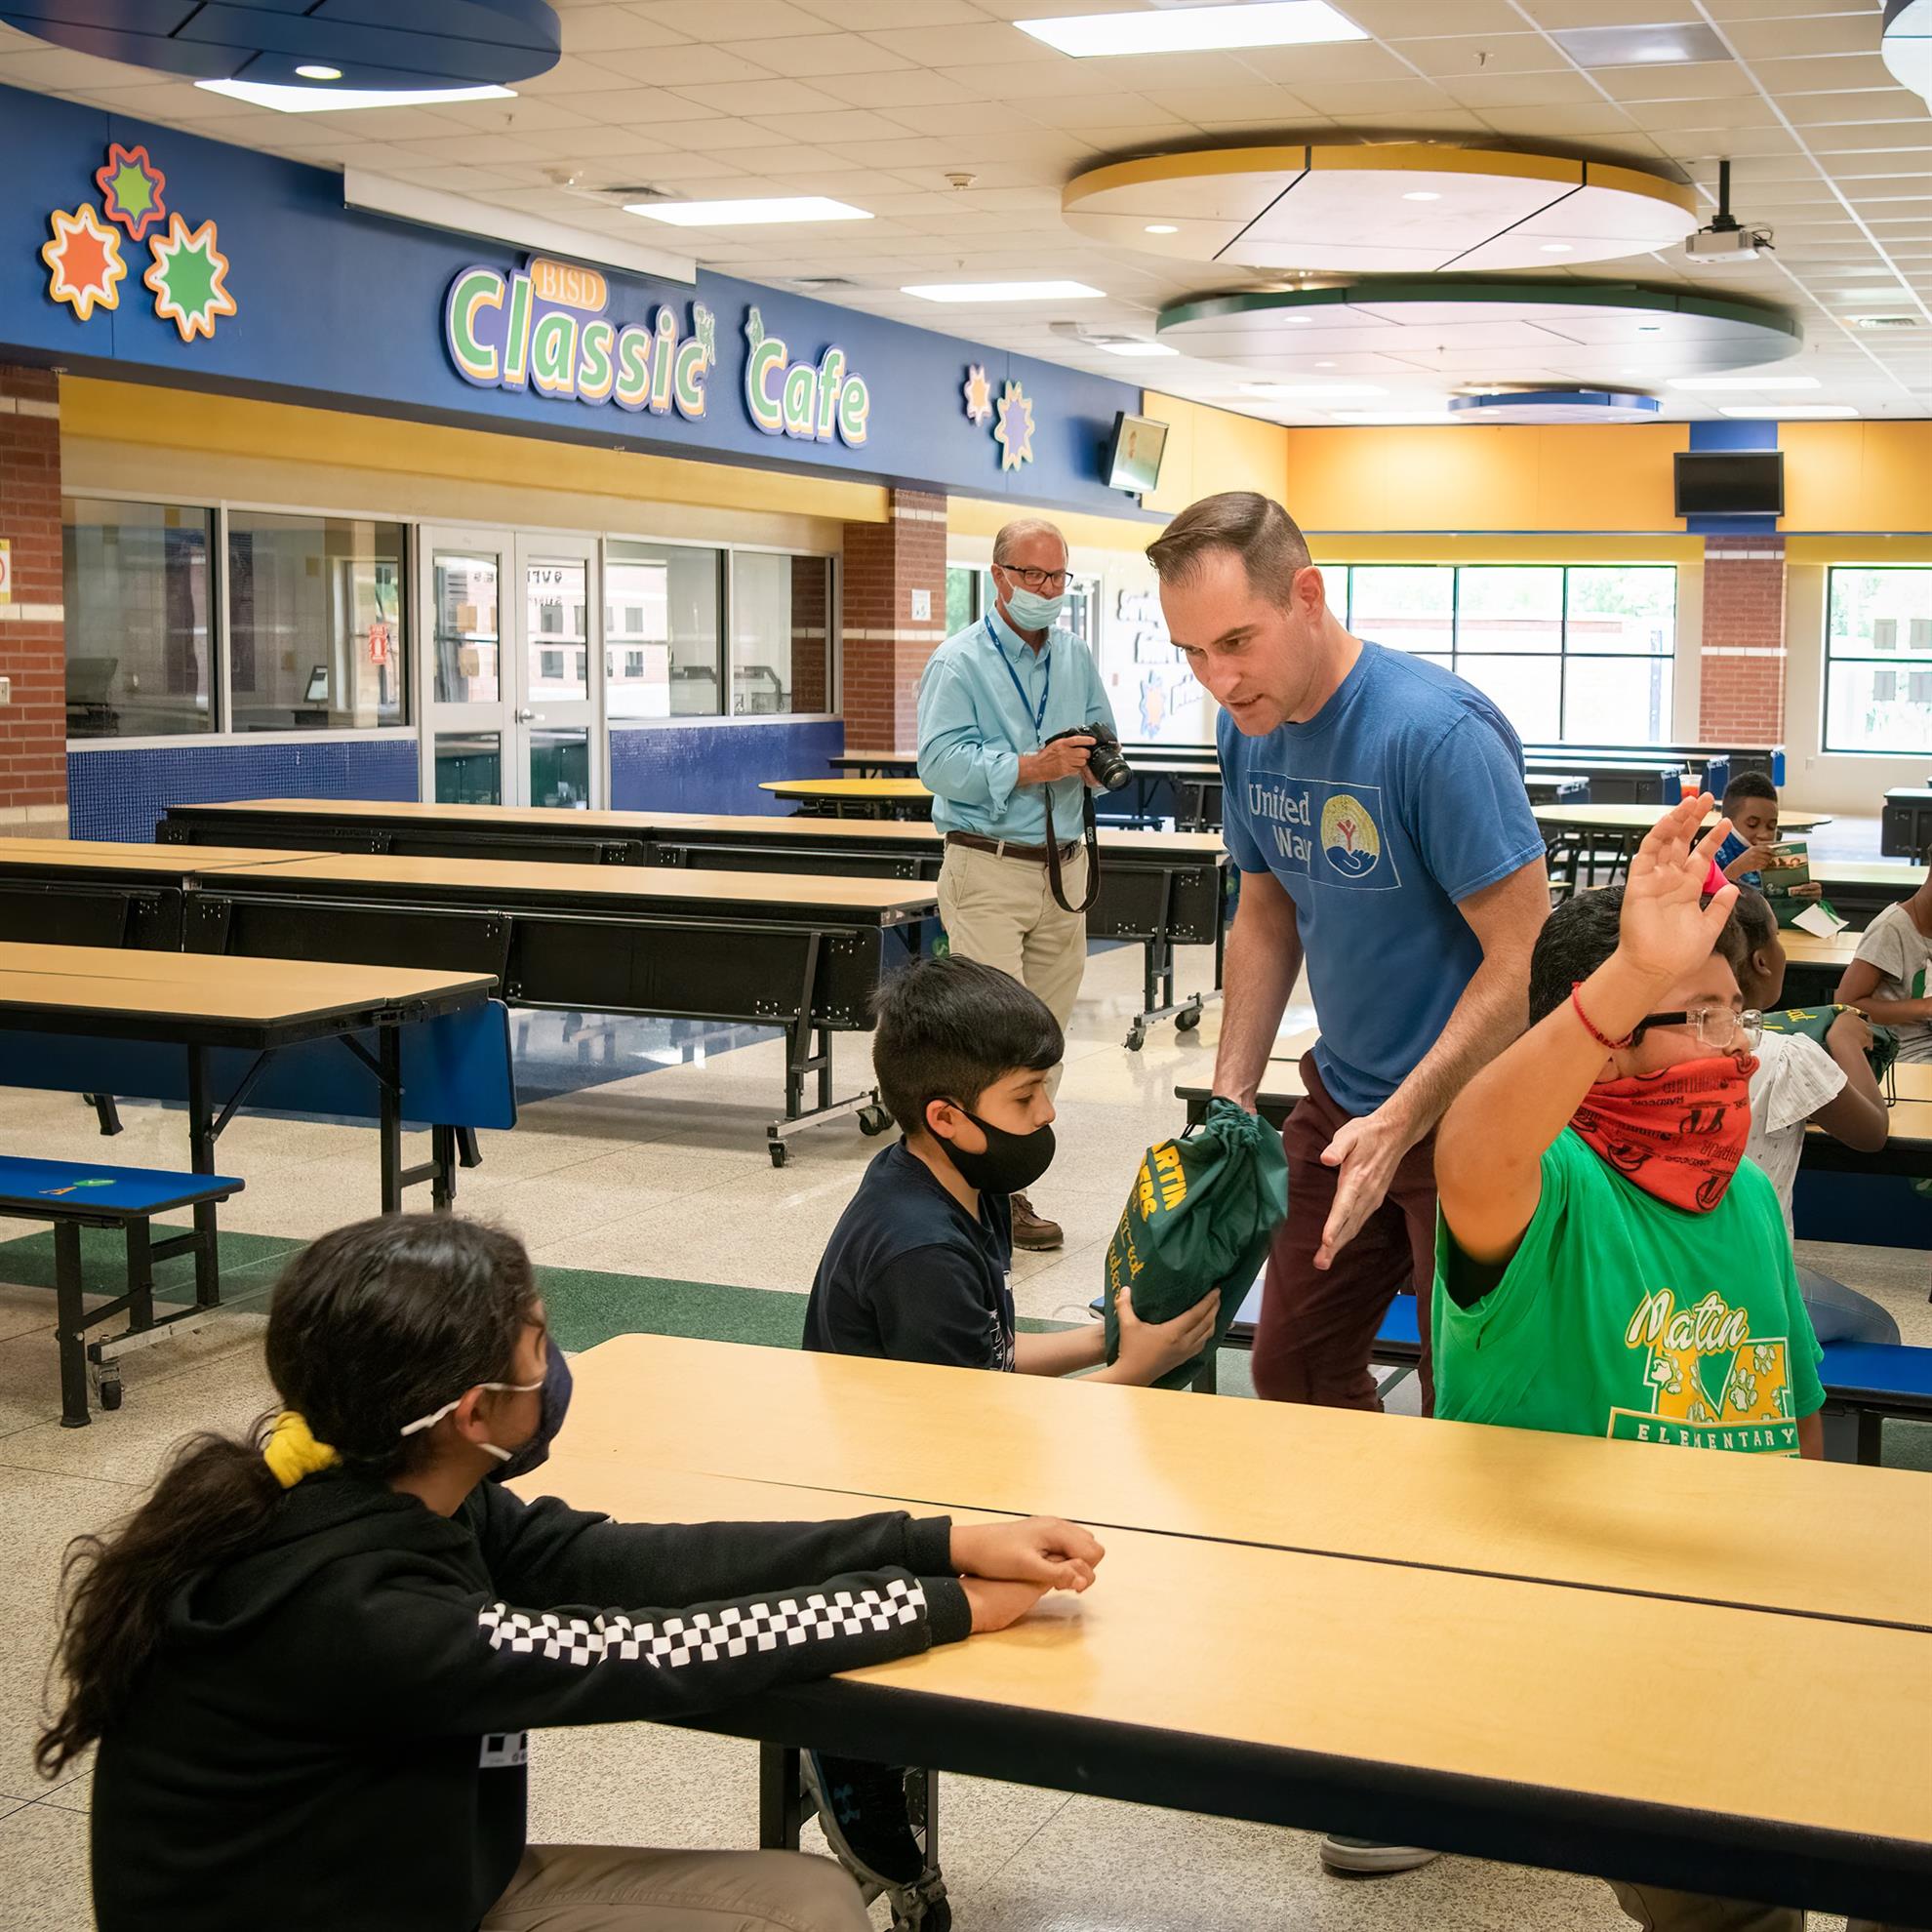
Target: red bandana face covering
pixel 1678 1134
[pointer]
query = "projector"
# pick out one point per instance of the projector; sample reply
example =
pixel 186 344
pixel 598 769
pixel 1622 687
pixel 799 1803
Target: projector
pixel 1717 244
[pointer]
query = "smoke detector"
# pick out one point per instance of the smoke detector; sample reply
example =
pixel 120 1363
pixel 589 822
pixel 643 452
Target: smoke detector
pixel 959 178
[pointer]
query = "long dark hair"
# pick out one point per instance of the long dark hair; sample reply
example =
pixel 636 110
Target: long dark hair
pixel 371 1327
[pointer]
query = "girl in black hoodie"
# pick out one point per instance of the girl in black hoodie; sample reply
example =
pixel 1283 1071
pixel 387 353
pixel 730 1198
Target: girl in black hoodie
pixel 310 1659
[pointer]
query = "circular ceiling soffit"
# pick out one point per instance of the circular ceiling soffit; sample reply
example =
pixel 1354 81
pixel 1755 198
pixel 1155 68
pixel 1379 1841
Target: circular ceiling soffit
pixel 1556 406
pixel 1906 44
pixel 1408 333
pixel 1378 208
pixel 461 43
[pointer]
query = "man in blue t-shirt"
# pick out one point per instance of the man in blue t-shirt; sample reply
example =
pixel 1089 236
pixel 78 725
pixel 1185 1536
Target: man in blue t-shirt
pixel 1375 807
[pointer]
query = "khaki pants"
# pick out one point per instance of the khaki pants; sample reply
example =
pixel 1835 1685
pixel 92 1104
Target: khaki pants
pixel 1657 1909
pixel 612 1888
pixel 1002 913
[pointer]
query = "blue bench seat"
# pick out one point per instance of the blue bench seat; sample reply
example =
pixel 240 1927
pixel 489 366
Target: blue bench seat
pixel 73 1195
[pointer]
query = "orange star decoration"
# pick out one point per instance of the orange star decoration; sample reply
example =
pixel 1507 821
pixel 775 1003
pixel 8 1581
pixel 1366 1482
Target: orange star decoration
pixel 1014 431
pixel 131 187
pixel 84 258
pixel 977 393
pixel 188 277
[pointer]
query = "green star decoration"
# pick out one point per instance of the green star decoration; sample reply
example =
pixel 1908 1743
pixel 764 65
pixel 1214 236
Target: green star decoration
pixel 131 189
pixel 188 279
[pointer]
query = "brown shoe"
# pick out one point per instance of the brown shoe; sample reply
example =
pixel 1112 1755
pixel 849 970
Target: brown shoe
pixel 1033 1230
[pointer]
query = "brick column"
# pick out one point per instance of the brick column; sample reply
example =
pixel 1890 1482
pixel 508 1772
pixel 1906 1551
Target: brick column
pixel 809 643
pixel 885 648
pixel 33 724
pixel 1742 685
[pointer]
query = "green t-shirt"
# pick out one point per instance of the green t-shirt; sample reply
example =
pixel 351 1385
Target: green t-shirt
pixel 1620 1316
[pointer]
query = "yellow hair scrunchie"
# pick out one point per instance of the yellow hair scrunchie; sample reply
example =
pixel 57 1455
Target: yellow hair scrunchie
pixel 291 1452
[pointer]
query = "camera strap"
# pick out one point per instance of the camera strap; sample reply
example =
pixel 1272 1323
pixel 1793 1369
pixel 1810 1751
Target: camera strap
pixel 1054 881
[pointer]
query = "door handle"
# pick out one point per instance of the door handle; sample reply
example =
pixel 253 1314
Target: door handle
pixel 530 717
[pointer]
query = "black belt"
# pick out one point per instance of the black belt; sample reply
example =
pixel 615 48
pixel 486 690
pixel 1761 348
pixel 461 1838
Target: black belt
pixel 1006 848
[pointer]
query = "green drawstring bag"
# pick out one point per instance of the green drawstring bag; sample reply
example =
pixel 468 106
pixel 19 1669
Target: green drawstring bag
pixel 1202 1214
pixel 1814 1021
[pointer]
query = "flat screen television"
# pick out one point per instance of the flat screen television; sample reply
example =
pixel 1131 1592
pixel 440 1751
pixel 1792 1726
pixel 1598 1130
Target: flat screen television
pixel 1133 452
pixel 1730 483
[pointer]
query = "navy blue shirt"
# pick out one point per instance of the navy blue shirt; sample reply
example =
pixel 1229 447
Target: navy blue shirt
pixel 909 1276
pixel 1400 798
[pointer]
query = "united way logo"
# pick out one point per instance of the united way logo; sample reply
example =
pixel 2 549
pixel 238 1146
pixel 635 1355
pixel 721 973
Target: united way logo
pixel 1350 841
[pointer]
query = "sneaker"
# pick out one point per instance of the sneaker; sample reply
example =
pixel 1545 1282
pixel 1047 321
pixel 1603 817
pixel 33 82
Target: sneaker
pixel 863 1811
pixel 1369 1858
pixel 1033 1230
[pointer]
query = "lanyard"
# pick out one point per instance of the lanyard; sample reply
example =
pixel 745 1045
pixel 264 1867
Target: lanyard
pixel 1046 690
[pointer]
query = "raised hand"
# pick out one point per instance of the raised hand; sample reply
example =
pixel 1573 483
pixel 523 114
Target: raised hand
pixel 1666 928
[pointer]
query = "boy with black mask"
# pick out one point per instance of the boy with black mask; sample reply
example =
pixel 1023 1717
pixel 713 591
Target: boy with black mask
pixel 917 1270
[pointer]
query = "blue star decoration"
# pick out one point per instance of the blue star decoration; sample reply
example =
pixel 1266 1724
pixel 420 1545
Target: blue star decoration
pixel 1014 431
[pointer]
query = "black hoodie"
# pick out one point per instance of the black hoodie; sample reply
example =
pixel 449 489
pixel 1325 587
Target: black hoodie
pixel 331 1734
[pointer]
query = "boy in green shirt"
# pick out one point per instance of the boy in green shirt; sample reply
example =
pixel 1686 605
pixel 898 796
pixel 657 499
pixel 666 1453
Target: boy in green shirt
pixel 1607 1261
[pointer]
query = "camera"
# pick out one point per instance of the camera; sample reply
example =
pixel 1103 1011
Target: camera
pixel 1107 761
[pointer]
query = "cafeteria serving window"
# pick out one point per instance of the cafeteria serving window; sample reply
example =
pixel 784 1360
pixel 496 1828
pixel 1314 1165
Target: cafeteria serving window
pixel 780 634
pixel 663 630
pixel 318 622
pixel 1878 658
pixel 140 597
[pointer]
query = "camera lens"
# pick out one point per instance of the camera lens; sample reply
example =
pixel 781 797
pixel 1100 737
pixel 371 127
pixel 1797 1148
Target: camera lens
pixel 1106 762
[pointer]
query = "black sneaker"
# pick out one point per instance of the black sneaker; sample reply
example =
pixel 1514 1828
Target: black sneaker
pixel 864 1812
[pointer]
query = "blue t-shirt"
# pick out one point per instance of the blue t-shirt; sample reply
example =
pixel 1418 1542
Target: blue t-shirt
pixel 1403 795
pixel 1732 848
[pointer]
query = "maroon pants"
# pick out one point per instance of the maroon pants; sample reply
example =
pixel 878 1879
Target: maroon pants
pixel 1318 1325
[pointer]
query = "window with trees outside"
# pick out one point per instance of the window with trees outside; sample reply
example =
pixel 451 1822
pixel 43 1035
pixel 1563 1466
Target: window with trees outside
pixel 1584 652
pixel 1878 658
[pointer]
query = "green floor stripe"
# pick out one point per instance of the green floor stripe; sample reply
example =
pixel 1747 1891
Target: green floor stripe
pixel 28 1261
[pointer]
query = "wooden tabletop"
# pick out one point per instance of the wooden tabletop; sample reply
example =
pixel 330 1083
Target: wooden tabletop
pixel 1903 873
pixel 1826 1538
pixel 177 862
pixel 199 985
pixel 1804 948
pixel 899 789
pixel 1640 819
pixel 590 884
pixel 1534 1690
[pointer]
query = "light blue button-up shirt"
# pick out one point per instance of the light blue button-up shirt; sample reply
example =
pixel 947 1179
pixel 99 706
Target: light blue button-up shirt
pixel 975 724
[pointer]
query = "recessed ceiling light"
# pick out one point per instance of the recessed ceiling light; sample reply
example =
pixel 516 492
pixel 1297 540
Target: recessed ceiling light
pixel 764 211
pixel 1555 248
pixel 1743 382
pixel 1136 348
pixel 1311 391
pixel 1640 46
pixel 338 100
pixel 1324 365
pixel 1191 30
pixel 314 72
pixel 1162 229
pixel 1004 292
pixel 1422 194
pixel 1784 411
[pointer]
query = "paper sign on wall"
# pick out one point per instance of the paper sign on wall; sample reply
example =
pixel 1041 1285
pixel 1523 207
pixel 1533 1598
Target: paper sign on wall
pixel 922 607
pixel 6 572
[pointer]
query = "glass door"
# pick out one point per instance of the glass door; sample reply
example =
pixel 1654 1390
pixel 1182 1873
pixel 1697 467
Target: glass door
pixel 513 682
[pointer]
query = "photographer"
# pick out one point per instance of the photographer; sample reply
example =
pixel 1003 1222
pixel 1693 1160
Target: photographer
pixel 992 697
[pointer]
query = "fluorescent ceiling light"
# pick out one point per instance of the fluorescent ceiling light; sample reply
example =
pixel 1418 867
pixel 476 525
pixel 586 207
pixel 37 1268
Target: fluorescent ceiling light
pixel 759 210
pixel 1162 229
pixel 1194 29
pixel 313 72
pixel 1556 248
pixel 1422 194
pixel 1004 292
pixel 1136 348
pixel 1784 411
pixel 1640 46
pixel 1311 391
pixel 1743 382
pixel 340 100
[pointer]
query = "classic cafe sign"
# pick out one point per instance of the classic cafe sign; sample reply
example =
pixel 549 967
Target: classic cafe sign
pixel 543 329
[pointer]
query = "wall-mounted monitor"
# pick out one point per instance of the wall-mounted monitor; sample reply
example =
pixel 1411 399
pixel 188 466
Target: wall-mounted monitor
pixel 1133 452
pixel 1730 483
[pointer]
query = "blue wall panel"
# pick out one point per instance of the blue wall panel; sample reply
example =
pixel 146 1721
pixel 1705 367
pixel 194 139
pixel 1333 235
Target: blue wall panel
pixel 120 794
pixel 317 284
pixel 717 768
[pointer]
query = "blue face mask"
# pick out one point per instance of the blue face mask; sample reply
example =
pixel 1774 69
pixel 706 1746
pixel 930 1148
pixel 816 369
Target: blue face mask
pixel 1027 610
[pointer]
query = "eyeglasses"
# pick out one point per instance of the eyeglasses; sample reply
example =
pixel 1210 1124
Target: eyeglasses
pixel 1715 1027
pixel 1037 579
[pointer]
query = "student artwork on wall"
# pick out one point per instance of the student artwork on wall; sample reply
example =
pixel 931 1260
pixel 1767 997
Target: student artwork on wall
pixel 86 259
pixel 977 395
pixel 1014 431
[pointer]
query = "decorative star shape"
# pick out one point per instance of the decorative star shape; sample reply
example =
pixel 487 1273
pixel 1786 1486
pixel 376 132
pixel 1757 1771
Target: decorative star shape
pixel 85 262
pixel 131 189
pixel 977 395
pixel 188 277
pixel 1014 431
pixel 705 326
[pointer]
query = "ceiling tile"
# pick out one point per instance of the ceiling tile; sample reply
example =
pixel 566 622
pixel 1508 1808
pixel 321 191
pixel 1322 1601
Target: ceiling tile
pixel 874 16
pixel 1546 89
pixel 909 87
pixel 974 46
pixel 733 19
pixel 1443 56
pixel 1863 108
pixel 596 29
pixel 694 66
pixel 759 96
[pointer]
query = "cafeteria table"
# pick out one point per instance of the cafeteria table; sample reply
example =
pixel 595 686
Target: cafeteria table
pixel 855 797
pixel 1584 840
pixel 1250 1646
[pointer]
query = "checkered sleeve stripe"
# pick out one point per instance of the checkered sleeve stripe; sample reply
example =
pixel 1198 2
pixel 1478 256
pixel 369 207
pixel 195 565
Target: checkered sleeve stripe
pixel 703 1636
